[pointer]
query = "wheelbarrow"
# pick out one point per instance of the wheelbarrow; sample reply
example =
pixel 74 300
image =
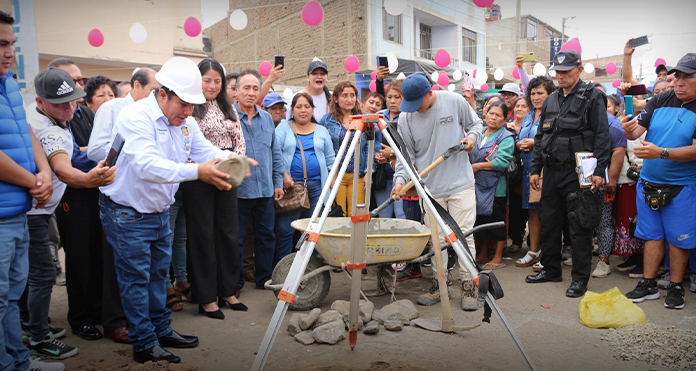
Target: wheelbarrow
pixel 388 241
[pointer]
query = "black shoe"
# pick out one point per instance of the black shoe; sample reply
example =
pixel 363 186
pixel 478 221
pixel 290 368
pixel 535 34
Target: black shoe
pixel 87 332
pixel 238 306
pixel 576 289
pixel 155 354
pixel 675 296
pixel 215 314
pixel 541 277
pixel 176 340
pixel 643 292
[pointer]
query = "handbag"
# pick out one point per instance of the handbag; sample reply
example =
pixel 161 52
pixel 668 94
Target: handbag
pixel 633 171
pixel 296 199
pixel 379 177
pixel 534 195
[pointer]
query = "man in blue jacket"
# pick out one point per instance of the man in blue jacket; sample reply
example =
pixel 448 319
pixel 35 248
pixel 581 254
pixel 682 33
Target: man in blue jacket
pixel 24 174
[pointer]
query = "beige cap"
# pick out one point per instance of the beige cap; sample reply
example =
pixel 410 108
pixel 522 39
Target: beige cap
pixel 236 168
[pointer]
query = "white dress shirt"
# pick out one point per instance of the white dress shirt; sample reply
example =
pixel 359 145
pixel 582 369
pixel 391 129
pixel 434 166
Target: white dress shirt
pixel 104 120
pixel 153 160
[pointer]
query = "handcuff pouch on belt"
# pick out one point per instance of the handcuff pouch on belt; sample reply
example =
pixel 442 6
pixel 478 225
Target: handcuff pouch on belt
pixel 659 195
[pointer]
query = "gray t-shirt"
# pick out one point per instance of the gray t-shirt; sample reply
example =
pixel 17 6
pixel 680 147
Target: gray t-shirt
pixel 429 134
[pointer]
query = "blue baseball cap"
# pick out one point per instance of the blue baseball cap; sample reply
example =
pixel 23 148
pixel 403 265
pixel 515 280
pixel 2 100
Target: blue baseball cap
pixel 272 99
pixel 413 90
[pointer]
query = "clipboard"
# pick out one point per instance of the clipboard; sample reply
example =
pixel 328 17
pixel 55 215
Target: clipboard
pixel 586 163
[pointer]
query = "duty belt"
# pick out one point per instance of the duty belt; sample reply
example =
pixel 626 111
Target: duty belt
pixel 554 164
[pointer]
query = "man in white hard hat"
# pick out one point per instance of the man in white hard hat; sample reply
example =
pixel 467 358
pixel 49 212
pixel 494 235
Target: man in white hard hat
pixel 159 137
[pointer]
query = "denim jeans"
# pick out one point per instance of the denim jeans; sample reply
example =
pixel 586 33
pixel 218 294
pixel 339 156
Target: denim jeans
pixel 262 211
pixel 142 253
pixel 14 267
pixel 396 209
pixel 284 232
pixel 42 276
pixel 177 223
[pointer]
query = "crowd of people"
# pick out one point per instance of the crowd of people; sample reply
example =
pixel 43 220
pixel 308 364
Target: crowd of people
pixel 162 223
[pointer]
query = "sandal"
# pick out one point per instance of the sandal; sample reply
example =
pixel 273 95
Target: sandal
pixel 174 303
pixel 185 293
pixel 492 266
pixel 537 267
pixel 529 259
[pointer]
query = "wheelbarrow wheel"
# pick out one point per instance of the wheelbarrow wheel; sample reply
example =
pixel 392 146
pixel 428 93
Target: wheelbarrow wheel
pixel 312 292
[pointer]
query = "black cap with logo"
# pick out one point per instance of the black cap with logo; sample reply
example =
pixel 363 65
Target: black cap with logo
pixel 315 64
pixel 685 65
pixel 566 60
pixel 56 86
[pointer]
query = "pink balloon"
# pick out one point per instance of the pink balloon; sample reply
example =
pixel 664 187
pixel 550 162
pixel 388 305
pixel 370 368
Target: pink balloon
pixel 572 44
pixel 611 68
pixel 483 3
pixel 443 79
pixel 265 68
pixel 616 83
pixel 516 73
pixel 352 63
pixel 373 75
pixel 484 87
pixel 312 13
pixel 373 86
pixel 435 87
pixel 442 58
pixel 192 27
pixel 660 61
pixel 95 38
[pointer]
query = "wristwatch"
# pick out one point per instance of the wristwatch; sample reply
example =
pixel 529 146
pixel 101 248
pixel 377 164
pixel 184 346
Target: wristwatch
pixel 664 154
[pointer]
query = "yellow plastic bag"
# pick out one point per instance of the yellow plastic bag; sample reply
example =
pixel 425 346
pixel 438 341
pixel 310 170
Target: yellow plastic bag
pixel 609 309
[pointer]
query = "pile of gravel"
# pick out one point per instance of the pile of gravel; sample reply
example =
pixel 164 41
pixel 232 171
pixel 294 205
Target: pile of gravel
pixel 657 345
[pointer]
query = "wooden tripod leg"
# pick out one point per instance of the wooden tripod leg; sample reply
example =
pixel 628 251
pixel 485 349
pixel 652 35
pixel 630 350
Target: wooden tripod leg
pixel 447 320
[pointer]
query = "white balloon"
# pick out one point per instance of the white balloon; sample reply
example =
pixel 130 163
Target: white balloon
pixel 450 87
pixel 498 74
pixel 457 75
pixel 138 33
pixel 481 77
pixel 395 7
pixel 401 76
pixel 392 61
pixel 287 94
pixel 539 70
pixel 589 67
pixel 552 73
pixel 238 19
pixel 435 75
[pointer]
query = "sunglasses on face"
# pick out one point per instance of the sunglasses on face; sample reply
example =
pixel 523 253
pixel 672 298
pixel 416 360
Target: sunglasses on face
pixel 81 81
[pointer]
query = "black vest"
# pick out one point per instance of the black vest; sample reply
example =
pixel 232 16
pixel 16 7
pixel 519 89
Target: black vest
pixel 566 130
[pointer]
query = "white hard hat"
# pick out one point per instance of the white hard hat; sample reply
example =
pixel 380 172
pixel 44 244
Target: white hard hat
pixel 183 77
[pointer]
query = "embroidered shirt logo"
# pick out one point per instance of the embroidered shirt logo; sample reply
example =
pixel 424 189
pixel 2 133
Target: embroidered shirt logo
pixel 446 120
pixel 64 89
pixel 683 237
pixel 184 131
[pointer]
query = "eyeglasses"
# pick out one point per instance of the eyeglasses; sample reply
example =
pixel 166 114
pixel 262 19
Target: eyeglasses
pixel 508 95
pixel 81 81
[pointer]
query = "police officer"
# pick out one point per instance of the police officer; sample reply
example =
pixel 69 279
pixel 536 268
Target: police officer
pixel 573 119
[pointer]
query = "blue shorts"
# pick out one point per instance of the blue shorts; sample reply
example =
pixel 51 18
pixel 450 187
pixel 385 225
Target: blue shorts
pixel 675 222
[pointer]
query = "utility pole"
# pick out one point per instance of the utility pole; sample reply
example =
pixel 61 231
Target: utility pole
pixel 519 26
pixel 563 28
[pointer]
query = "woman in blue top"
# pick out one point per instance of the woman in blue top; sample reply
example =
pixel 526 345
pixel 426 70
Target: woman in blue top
pixel 490 159
pixel 319 157
pixel 344 103
pixel 538 89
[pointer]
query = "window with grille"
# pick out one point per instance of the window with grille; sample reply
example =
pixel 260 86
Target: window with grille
pixel 531 29
pixel 391 27
pixel 426 41
pixel 469 45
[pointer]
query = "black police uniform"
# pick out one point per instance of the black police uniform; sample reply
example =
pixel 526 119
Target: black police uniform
pixel 568 124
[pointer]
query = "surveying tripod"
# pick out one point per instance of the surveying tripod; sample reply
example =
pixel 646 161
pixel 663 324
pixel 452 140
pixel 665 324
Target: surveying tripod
pixel 360 124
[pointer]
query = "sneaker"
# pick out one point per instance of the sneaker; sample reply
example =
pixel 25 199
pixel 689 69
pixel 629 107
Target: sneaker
pixel 636 272
pixel 567 252
pixel 663 283
pixel 433 297
pixel 643 292
pixel 469 291
pixel 60 279
pixel 52 348
pixel 427 263
pixel 603 269
pixel 39 365
pixel 630 263
pixel 692 281
pixel 675 296
pixel 407 274
pixel 55 332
